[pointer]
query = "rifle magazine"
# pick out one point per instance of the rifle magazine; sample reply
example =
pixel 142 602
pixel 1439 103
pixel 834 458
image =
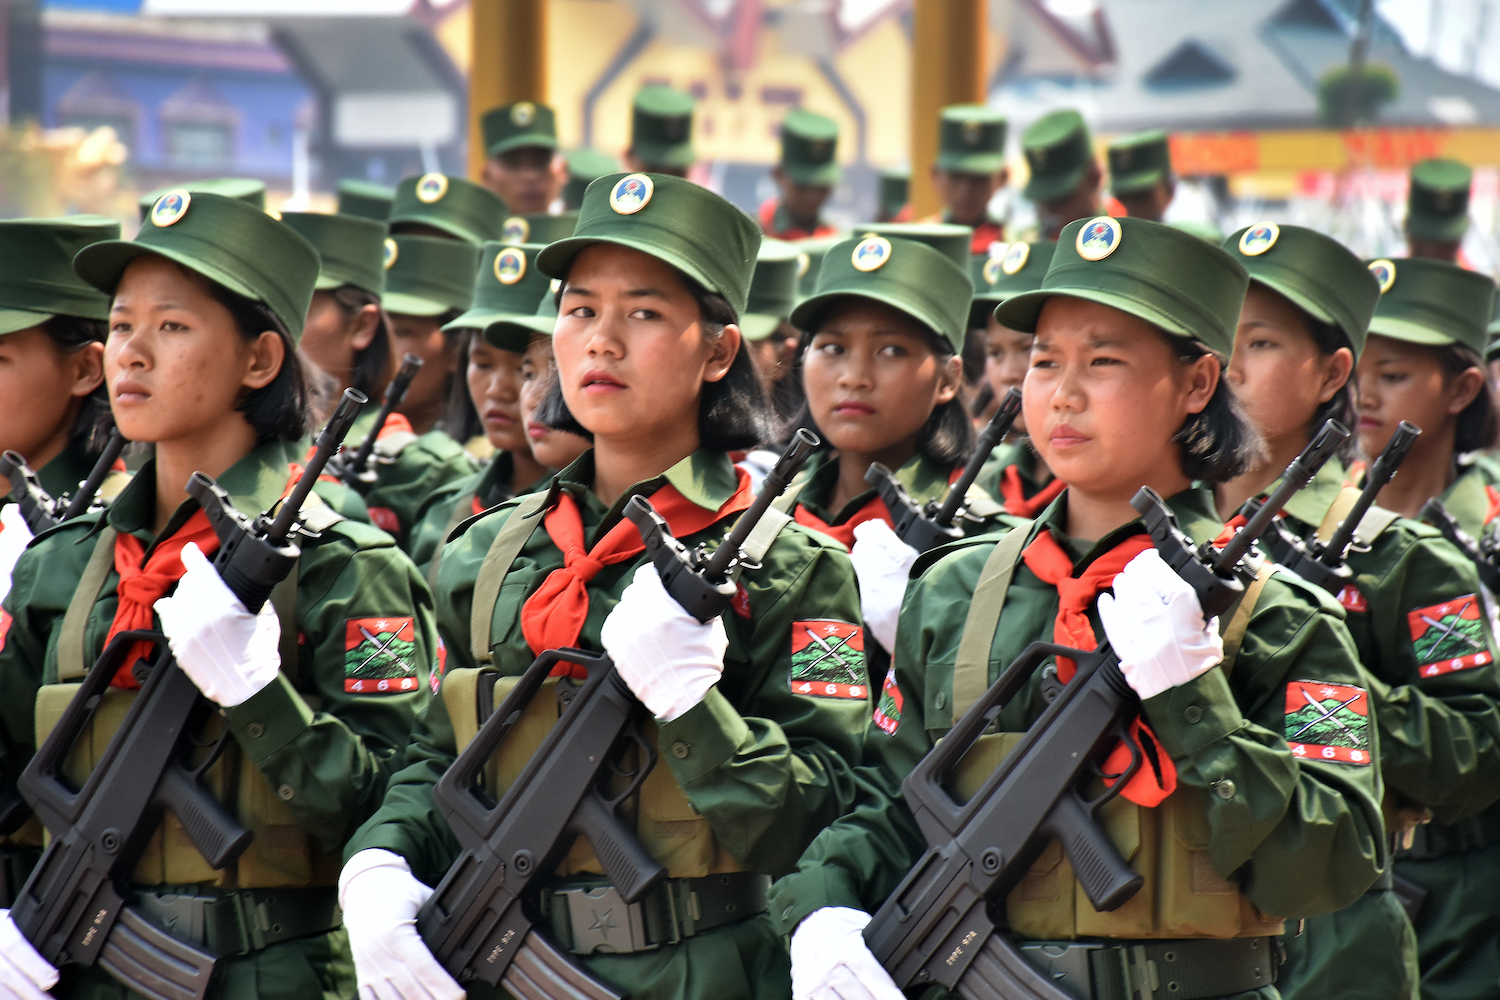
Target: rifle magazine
pixel 542 971
pixel 153 963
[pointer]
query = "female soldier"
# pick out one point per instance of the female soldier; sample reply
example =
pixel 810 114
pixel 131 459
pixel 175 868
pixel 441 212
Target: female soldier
pixel 1300 330
pixel 1014 475
pixel 208 303
pixel 498 327
pixel 53 409
pixel 553 448
pixel 1422 364
pixel 1124 390
pixel 756 711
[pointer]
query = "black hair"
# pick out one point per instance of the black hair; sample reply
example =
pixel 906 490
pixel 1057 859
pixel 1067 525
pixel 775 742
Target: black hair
pixel 1217 442
pixel 946 439
pixel 731 412
pixel 281 410
pixel 374 364
pixel 1478 425
pixel 95 422
pixel 462 420
pixel 973 354
pixel 1328 338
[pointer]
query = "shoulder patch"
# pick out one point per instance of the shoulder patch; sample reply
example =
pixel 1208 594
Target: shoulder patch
pixel 1352 599
pixel 888 710
pixel 385 519
pixel 828 659
pixel 378 655
pixel 439 666
pixel 1328 722
pixel 1449 637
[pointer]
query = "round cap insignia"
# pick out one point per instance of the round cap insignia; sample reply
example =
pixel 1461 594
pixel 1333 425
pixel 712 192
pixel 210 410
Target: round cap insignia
pixel 391 252
pixel 510 265
pixel 515 230
pixel 1259 238
pixel 170 207
pixel 431 188
pixel 991 271
pixel 555 285
pixel 631 194
pixel 803 263
pixel 1098 238
pixel 1385 273
pixel 972 132
pixel 870 253
pixel 1016 256
pixel 523 113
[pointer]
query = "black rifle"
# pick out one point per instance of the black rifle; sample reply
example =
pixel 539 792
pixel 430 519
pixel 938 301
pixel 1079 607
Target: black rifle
pixel 38 507
pixel 925 528
pixel 358 471
pixel 1482 554
pixel 76 906
pixel 477 922
pixel 1323 565
pixel 936 928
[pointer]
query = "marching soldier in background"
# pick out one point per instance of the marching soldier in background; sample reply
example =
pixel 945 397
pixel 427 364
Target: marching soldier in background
pixel 806 176
pixel 890 201
pixel 1065 175
pixel 767 327
pixel 538 228
pixel 1140 174
pixel 365 199
pixel 661 131
pixel 522 166
pixel 447 207
pixel 970 168
pixel 1437 209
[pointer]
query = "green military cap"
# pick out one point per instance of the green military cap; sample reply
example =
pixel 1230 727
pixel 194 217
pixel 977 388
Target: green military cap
pixel 895 187
pixel 428 275
pixel 1318 273
pixel 971 139
pixel 1492 351
pixel 773 289
pixel 584 167
pixel 513 333
pixel 1019 268
pixel 352 249
pixel 661 127
pixel 228 241
pixel 674 220
pixel 811 261
pixel 365 199
pixel 456 206
pixel 1437 202
pixel 518 125
pixel 505 296
pixel 1158 273
pixel 538 227
pixel 37 280
pixel 1139 162
pixel 246 189
pixel 912 277
pixel 809 142
pixel 1432 302
pixel 1058 153
pixel 950 240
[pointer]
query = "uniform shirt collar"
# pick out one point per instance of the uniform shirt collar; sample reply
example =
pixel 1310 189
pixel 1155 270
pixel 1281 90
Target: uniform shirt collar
pixel 921 478
pixel 1194 508
pixel 64 472
pixel 706 478
pixel 1311 503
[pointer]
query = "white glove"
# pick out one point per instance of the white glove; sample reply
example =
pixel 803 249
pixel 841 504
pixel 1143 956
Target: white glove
pixel 15 535
pixel 882 562
pixel 24 974
pixel 380 897
pixel 1155 625
pixel 830 960
pixel 667 657
pixel 224 649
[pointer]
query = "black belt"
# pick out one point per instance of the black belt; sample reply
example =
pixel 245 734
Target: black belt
pixel 1179 969
pixel 1433 840
pixel 594 917
pixel 236 922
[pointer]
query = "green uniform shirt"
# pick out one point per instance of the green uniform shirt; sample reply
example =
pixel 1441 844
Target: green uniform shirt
pixel 402 483
pixel 436 517
pixel 767 766
pixel 1299 836
pixel 923 479
pixel 1034 474
pixel 1468 497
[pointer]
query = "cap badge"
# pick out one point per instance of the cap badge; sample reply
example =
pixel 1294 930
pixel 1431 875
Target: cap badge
pixel 523 113
pixel 631 193
pixel 391 252
pixel 1443 200
pixel 819 149
pixel 555 285
pixel 510 265
pixel 1385 273
pixel 515 230
pixel 1037 159
pixel 972 132
pixel 1015 258
pixel 431 188
pixel 991 271
pixel 170 207
pixel 870 253
pixel 1259 238
pixel 1098 238
pixel 803 263
pixel 1122 159
pixel 675 128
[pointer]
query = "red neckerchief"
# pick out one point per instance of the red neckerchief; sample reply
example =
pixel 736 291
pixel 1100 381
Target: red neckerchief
pixel 1013 492
pixel 143 581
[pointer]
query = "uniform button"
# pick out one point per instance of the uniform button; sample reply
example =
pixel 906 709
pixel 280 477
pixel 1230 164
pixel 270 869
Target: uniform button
pixel 256 730
pixel 1193 714
pixel 1225 788
pixel 286 792
pixel 679 750
pixel 940 700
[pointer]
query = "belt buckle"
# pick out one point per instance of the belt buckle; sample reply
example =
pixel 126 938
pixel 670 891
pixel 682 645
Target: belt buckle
pixel 1139 972
pixel 1066 965
pixel 602 921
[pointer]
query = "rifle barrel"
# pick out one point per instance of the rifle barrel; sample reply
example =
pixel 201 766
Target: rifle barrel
pixel 328 445
pixel 90 486
pixel 997 428
pixel 803 442
pixel 1381 472
pixel 394 394
pixel 1297 475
